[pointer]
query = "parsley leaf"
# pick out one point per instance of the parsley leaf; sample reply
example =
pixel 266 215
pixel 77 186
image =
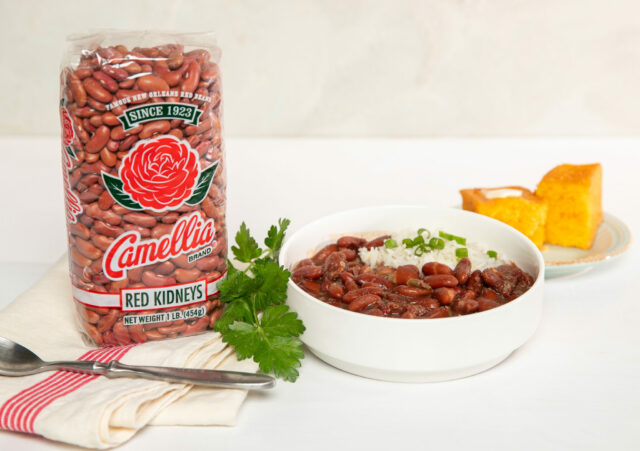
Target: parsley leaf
pixel 271 280
pixel 244 337
pixel 247 248
pixel 277 320
pixel 280 356
pixel 275 354
pixel 237 285
pixel 275 236
pixel 237 310
pixel 231 270
pixel 272 340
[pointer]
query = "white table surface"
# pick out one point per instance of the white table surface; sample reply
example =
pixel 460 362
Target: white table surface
pixel 575 385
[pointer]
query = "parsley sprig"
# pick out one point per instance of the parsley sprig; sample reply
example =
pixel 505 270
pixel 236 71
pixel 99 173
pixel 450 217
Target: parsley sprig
pixel 272 338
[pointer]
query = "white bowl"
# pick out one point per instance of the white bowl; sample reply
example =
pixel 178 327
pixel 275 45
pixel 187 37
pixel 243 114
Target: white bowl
pixel 416 350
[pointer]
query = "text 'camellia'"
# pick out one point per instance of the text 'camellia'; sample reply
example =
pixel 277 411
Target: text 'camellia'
pixel 129 251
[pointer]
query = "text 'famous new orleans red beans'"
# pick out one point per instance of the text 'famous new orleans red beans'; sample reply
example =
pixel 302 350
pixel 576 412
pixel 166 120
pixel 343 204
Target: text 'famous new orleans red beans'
pixel 144 179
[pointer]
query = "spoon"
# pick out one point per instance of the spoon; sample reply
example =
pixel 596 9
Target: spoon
pixel 16 360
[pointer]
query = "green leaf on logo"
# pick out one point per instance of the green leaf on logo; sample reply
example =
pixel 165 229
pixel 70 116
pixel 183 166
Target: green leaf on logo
pixel 70 152
pixel 114 186
pixel 202 187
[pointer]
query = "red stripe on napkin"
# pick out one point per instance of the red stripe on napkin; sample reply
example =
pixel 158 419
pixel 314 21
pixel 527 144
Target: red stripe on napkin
pixel 20 411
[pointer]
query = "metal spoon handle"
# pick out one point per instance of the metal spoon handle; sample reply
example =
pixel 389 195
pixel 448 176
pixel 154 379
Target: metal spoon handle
pixel 207 378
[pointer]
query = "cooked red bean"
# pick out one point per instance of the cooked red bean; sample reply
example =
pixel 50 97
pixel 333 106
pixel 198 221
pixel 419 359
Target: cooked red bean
pixel 347 276
pixel 418 283
pixel 350 285
pixel 373 285
pixel 338 276
pixel 464 307
pixel 441 312
pixel 415 311
pixel 361 302
pixel 353 294
pixel 311 285
pixel 488 293
pixel 334 265
pixel 373 312
pixel 508 281
pixel 307 272
pixel 462 271
pixel 405 272
pixel 493 278
pixel 475 281
pixel 322 255
pixel 432 268
pixel 467 294
pixel 349 254
pixel 385 270
pixel 377 242
pixel 486 304
pixel 441 280
pixel 411 291
pixel 351 242
pixel 305 262
pixel 426 301
pixel 370 277
pixel 335 290
pixel 444 295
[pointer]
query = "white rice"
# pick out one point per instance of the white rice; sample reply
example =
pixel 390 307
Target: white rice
pixel 401 255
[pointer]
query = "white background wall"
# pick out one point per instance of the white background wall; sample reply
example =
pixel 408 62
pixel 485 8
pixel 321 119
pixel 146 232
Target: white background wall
pixel 365 68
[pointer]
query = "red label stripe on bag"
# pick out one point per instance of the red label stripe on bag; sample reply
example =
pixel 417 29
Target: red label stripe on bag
pixel 20 411
pixel 114 300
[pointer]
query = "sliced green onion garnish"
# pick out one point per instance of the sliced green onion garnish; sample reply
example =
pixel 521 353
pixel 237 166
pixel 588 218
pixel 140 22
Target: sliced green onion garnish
pixel 460 240
pixel 418 240
pixel 492 254
pixel 445 235
pixel 422 230
pixel 421 250
pixel 408 242
pixel 450 237
pixel 462 252
pixel 390 244
pixel 436 243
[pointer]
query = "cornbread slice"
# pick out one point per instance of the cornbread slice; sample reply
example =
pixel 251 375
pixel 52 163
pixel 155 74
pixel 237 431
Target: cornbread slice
pixel 513 205
pixel 574 196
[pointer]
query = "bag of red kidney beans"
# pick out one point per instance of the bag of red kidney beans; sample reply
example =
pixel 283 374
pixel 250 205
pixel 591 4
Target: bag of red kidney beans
pixel 144 180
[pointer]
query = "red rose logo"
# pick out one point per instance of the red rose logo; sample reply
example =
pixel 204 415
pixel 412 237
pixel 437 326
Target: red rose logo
pixel 160 174
pixel 67 127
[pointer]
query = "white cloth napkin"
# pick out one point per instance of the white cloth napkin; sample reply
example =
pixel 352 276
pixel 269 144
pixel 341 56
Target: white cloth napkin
pixel 94 411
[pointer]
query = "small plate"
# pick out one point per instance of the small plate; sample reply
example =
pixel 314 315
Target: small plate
pixel 612 239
